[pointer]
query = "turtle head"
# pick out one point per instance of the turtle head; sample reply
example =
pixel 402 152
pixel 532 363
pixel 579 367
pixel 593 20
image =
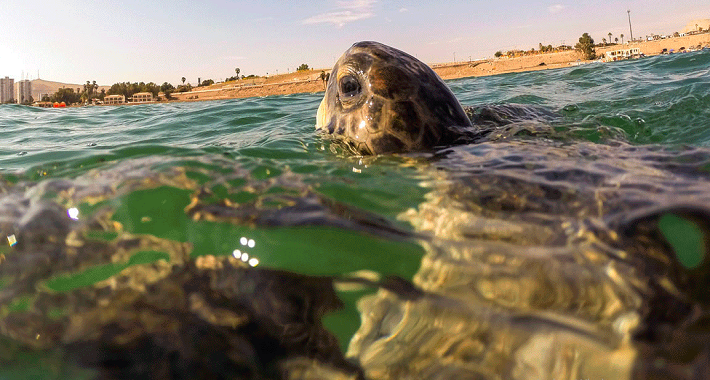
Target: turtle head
pixel 381 100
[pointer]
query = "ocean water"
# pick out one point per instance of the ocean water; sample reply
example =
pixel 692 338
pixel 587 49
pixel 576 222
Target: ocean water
pixel 251 179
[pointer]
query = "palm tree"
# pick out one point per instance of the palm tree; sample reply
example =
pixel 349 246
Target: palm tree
pixel 322 77
pixel 237 71
pixel 183 80
pixel 622 38
pixel 616 40
pixel 609 37
pixel 604 41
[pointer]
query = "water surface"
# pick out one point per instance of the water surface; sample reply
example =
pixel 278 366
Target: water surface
pixel 250 179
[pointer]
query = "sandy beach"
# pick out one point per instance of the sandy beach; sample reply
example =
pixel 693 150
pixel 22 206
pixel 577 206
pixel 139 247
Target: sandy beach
pixel 310 82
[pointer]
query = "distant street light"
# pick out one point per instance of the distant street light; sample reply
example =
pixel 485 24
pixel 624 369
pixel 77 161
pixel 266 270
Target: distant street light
pixel 630 31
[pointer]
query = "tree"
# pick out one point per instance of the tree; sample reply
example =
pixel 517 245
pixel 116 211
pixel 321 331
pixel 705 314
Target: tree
pixel 303 67
pixel 184 88
pixel 610 38
pixel 322 77
pixel 167 89
pixel 586 46
pixel 237 71
pixel 498 54
pixel 616 40
pixel 183 80
pixel 622 38
pixel 66 95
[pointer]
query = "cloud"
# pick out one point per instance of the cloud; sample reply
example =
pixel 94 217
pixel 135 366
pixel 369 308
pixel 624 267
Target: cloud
pixel 337 18
pixel 402 10
pixel 356 4
pixel 346 12
pixel 557 8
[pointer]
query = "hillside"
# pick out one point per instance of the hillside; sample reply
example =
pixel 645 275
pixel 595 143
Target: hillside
pixel 41 86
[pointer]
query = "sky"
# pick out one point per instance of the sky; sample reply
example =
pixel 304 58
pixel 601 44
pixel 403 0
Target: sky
pixel 112 41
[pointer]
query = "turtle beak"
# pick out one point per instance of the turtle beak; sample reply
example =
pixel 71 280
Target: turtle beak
pixel 321 116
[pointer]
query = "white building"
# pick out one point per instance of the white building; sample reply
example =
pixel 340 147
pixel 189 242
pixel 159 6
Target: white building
pixel 617 55
pixel 7 89
pixel 142 97
pixel 23 91
pixel 114 99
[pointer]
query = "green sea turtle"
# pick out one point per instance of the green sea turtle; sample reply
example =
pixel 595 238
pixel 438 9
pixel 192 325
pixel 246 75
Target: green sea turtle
pixel 379 99
pixel 383 100
pixel 545 258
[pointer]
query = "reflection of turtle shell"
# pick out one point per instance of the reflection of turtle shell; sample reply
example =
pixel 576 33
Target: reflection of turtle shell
pixel 548 260
pixel 379 99
pixel 119 305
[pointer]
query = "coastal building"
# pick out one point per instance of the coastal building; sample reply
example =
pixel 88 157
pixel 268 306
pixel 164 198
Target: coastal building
pixel 114 99
pixel 697 26
pixel 617 55
pixel 7 89
pixel 23 91
pixel 142 97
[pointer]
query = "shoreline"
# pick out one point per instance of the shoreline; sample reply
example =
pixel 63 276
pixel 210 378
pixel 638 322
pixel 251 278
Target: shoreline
pixel 310 82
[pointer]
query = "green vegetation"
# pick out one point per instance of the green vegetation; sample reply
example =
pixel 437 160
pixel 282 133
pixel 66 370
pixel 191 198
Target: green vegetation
pixel 545 49
pixel 66 95
pixel 184 88
pixel 89 91
pixel 127 89
pixel 168 89
pixel 324 77
pixel 586 46
pixel 542 49
pixel 303 67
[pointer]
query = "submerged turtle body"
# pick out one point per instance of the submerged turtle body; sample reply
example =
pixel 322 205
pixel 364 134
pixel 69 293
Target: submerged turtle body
pixel 544 258
pixel 382 100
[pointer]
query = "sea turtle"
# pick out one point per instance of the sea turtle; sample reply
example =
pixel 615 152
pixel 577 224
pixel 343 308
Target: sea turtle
pixel 545 258
pixel 382 100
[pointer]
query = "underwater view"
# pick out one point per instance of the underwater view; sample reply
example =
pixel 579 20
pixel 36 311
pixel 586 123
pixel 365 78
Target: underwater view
pixel 230 239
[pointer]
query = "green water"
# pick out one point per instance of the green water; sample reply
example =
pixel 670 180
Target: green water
pixel 143 165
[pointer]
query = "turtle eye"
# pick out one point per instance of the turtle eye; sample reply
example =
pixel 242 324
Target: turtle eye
pixel 349 86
